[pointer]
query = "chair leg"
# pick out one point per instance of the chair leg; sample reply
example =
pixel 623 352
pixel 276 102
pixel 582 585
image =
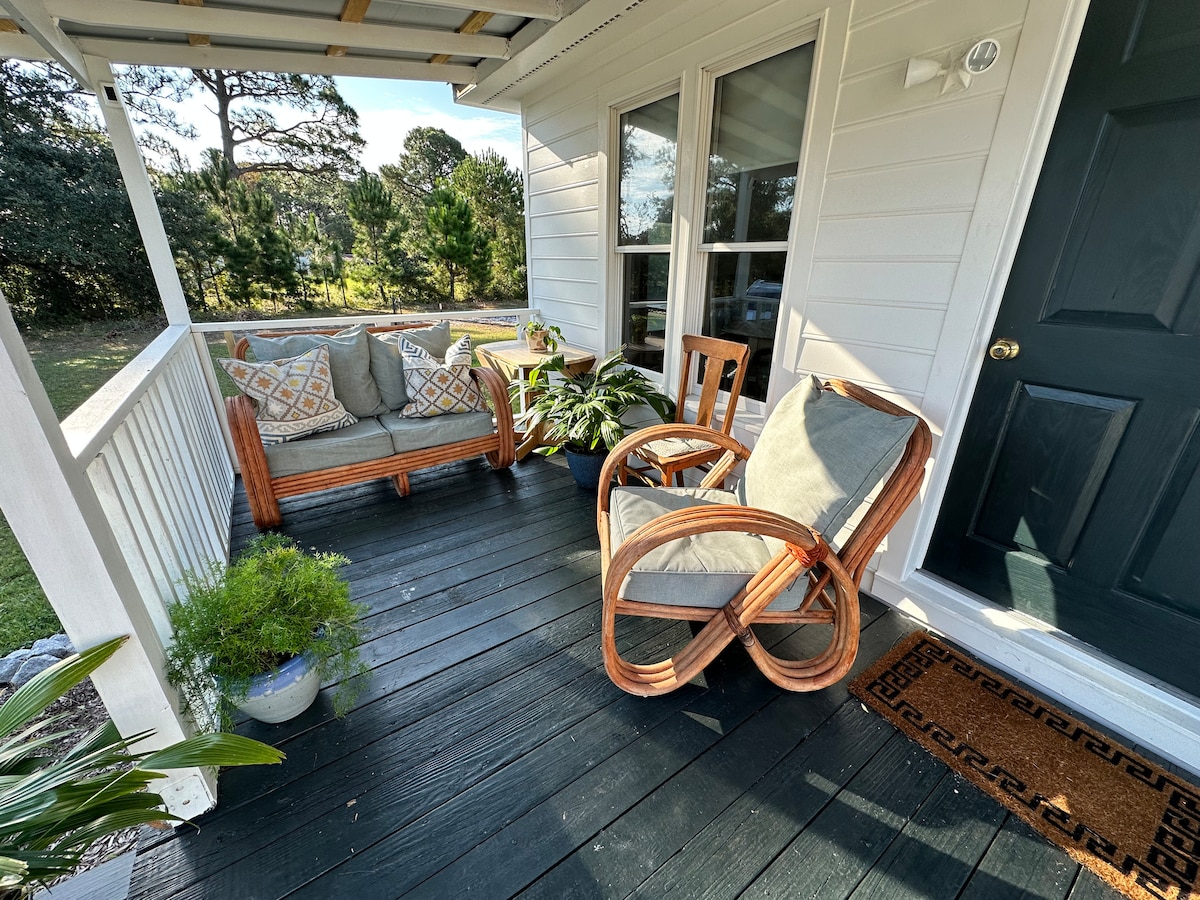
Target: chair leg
pixel 403 488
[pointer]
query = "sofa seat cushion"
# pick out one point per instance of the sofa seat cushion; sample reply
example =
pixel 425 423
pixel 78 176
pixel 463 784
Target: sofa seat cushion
pixel 364 440
pixel 702 570
pixel 409 434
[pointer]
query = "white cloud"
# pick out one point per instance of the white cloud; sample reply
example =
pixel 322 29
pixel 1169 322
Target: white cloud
pixel 385 131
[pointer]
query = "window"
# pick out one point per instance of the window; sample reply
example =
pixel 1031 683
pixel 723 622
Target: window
pixel 646 205
pixel 753 160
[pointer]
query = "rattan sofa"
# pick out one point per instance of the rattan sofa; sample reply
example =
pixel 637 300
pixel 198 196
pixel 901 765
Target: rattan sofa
pixel 383 446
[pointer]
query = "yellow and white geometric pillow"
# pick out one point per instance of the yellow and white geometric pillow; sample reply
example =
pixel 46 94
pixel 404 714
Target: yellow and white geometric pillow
pixel 294 396
pixel 438 389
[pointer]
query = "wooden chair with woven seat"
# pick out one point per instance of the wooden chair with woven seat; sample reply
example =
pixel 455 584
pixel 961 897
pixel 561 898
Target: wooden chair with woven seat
pixel 670 456
pixel 731 559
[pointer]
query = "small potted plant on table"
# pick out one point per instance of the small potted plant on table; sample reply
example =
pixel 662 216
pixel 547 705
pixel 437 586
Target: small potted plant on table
pixel 542 338
pixel 264 632
pixel 582 412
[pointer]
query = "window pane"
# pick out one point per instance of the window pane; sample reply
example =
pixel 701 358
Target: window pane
pixel 758 121
pixel 644 308
pixel 741 303
pixel 648 136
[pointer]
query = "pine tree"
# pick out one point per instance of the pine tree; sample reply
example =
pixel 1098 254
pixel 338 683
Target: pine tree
pixel 373 212
pixel 452 240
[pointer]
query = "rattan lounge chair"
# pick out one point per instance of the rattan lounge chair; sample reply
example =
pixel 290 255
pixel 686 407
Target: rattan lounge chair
pixel 730 559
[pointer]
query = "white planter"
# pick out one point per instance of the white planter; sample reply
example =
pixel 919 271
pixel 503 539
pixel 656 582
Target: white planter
pixel 283 693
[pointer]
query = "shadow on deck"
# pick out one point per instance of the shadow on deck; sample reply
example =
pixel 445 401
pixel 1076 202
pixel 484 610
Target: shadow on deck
pixel 490 754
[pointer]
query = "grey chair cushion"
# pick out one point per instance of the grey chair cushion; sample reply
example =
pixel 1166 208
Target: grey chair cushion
pixel 387 369
pixel 702 570
pixel 418 433
pixel 349 364
pixel 819 456
pixel 365 439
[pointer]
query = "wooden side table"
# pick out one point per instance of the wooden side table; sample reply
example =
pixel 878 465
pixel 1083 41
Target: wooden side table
pixel 513 360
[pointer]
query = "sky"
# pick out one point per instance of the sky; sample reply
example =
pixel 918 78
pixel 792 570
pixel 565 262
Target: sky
pixel 387 111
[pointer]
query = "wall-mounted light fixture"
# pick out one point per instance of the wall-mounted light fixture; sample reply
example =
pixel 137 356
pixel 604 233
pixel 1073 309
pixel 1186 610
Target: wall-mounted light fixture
pixel 958 72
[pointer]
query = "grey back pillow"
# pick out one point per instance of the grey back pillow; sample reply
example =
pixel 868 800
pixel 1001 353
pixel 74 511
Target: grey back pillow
pixel 387 366
pixel 349 364
pixel 819 456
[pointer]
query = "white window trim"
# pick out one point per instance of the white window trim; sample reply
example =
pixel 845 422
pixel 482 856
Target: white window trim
pixel 694 258
pixel 609 142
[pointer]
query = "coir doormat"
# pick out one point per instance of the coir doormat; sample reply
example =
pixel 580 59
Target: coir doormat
pixel 1134 824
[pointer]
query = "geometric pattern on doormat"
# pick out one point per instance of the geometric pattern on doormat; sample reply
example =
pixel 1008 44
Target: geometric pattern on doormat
pixel 1133 823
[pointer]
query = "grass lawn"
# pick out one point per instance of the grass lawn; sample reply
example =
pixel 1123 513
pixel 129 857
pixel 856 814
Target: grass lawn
pixel 73 363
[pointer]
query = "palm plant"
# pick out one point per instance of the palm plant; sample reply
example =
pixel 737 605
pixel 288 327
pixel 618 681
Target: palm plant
pixel 54 807
pixel 583 411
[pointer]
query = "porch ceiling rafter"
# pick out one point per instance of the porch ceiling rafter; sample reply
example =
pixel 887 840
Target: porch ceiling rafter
pixel 137 15
pixel 472 25
pixel 41 30
pixel 352 11
pixel 196 40
pixel 157 53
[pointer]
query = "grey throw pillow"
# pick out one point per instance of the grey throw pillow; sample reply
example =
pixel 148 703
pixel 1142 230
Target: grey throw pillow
pixel 387 369
pixel 819 456
pixel 434 340
pixel 349 364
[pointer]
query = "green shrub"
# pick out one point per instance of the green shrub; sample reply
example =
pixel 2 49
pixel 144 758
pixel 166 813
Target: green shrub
pixel 272 603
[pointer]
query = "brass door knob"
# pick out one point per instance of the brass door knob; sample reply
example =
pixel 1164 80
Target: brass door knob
pixel 1004 349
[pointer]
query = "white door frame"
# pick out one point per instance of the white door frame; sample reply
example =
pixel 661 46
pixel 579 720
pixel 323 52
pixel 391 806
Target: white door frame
pixel 1153 715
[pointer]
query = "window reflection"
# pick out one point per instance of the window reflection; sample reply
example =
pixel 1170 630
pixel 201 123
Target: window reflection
pixel 647 179
pixel 644 329
pixel 741 303
pixel 758 123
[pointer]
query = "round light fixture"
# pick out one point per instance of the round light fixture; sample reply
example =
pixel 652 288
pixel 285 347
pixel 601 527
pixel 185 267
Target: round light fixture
pixel 981 57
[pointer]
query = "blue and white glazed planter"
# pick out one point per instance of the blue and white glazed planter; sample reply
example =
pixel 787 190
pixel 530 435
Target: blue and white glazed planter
pixel 283 693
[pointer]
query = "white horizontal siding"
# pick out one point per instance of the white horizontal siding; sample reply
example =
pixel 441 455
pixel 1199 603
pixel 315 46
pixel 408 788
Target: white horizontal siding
pixel 959 127
pixel 931 234
pixel 562 199
pixel 901 179
pixel 882 324
pixel 946 183
pixel 902 281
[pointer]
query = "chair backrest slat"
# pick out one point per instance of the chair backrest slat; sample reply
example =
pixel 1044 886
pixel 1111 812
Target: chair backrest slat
pixel 717 353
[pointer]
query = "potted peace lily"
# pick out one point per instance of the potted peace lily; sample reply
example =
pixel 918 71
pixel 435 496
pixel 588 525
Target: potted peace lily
pixel 264 632
pixel 62 790
pixel 582 412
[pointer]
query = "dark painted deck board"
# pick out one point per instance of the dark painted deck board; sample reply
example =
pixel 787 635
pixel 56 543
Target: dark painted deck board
pixel 491 756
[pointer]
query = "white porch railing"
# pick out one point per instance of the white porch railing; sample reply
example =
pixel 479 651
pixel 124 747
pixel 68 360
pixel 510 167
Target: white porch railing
pixel 154 444
pixel 151 444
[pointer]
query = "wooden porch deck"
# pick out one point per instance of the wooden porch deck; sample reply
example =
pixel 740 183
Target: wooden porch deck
pixel 491 756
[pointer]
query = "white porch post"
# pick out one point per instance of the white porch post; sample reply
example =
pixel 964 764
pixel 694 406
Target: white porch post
pixel 141 192
pixel 56 516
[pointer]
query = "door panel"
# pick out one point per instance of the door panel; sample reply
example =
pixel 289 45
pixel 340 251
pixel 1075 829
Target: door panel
pixel 1133 248
pixel 1166 565
pixel 1075 495
pixel 1054 452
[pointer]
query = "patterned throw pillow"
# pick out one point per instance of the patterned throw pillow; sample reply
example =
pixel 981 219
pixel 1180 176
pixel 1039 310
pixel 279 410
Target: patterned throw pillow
pixel 294 396
pixel 437 389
